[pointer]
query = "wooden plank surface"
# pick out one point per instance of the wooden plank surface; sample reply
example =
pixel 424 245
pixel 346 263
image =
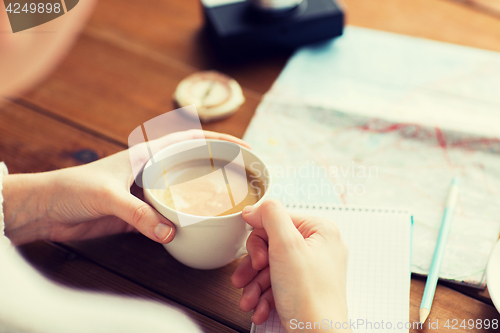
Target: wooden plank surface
pixel 211 293
pixel 67 268
pixel 441 20
pixel 149 264
pixel 110 89
pixel 449 304
pixel 491 7
pixel 51 144
pixel 33 142
pixel 173 29
pixel 482 295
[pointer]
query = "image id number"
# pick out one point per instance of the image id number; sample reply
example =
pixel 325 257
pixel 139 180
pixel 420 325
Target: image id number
pixel 470 324
pixel 40 8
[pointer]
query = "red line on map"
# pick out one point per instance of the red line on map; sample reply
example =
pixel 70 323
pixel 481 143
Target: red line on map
pixel 442 143
pixel 371 126
pixel 478 141
pixel 390 128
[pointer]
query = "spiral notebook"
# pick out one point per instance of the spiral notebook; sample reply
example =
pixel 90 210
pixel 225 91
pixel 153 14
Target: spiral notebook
pixel 378 274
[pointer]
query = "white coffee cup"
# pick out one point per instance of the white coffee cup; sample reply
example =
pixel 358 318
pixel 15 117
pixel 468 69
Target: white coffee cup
pixel 209 242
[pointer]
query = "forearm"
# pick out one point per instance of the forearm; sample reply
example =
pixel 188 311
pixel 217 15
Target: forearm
pixel 26 201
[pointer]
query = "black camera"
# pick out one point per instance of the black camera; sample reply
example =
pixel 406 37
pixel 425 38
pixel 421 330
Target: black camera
pixel 239 27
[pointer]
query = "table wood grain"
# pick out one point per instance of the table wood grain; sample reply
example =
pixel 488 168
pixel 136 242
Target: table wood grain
pixel 70 269
pixel 122 71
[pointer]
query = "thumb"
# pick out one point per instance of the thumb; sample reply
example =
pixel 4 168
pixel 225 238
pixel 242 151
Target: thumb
pixel 272 216
pixel 144 218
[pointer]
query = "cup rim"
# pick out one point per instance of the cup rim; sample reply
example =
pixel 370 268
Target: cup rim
pixel 158 202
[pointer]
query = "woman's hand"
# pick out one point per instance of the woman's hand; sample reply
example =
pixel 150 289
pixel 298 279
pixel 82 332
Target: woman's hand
pixel 297 264
pixel 88 201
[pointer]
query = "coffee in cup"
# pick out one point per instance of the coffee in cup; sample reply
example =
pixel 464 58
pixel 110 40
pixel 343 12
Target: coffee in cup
pixel 202 186
pixel 200 192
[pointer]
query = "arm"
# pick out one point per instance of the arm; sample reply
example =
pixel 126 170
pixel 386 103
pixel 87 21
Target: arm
pixel 25 210
pixel 78 203
pixel 87 201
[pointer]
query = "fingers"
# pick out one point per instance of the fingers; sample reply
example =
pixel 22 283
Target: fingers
pixel 257 294
pixel 144 218
pixel 257 249
pixel 194 134
pixel 275 220
pixel 225 137
pixel 278 217
pixel 244 273
pixel 264 307
pixel 254 290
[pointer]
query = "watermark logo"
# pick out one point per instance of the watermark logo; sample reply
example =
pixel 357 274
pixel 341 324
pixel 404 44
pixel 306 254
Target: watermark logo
pixel 24 15
pixel 307 181
pixel 197 178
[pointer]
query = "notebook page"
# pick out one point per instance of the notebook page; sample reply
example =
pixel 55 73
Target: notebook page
pixel 378 275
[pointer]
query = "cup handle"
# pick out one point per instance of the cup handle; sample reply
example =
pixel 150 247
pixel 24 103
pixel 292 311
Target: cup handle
pixel 241 251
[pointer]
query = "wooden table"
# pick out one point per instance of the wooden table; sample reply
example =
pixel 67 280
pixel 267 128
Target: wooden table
pixel 121 72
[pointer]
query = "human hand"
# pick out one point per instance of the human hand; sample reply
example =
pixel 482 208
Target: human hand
pixel 296 263
pixel 89 201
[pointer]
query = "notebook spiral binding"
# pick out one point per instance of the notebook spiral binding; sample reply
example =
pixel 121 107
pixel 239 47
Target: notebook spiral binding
pixel 351 208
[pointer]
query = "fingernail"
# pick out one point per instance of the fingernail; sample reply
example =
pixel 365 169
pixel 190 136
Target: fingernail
pixel 248 209
pixel 163 231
